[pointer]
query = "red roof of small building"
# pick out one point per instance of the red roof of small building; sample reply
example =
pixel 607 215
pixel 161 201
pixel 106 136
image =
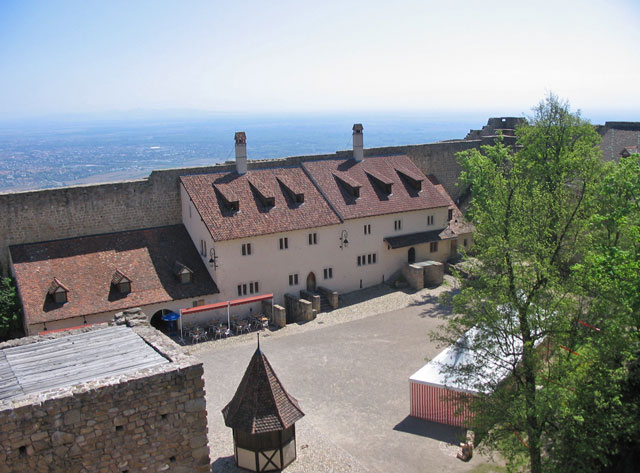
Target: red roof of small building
pixel 261 404
pixel 252 217
pixel 371 174
pixel 458 224
pixel 87 266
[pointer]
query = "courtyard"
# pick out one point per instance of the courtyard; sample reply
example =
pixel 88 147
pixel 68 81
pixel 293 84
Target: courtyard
pixel 349 370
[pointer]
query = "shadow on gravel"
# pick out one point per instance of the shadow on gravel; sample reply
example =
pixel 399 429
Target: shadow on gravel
pixel 438 309
pixel 433 430
pixel 225 465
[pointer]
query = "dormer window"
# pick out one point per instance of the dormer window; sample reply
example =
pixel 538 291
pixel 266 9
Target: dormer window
pixel 414 180
pixel 349 184
pixel 58 292
pixel 183 273
pixel 384 184
pixel 292 188
pixel 121 282
pixel 229 199
pixel 263 192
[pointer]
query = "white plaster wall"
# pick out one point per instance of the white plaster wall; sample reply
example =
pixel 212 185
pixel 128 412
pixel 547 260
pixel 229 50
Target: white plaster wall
pixel 148 310
pixel 271 267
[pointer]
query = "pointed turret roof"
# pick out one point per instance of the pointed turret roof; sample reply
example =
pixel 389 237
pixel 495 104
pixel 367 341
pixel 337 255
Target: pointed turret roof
pixel 261 404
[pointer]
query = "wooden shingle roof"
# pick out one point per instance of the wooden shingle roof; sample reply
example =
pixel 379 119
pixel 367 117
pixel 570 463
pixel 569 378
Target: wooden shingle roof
pixel 261 404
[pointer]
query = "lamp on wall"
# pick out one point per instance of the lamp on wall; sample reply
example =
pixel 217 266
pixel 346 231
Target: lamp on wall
pixel 213 259
pixel 343 239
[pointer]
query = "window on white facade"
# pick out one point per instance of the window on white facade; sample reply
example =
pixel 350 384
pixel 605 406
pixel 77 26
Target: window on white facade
pixel 293 280
pixel 328 273
pixel 284 243
pixel 397 225
pixel 371 258
pixel 433 246
pixel 450 214
pixel 203 247
pixel 197 303
pixel 248 288
pixel 367 229
pixel 313 238
pixel 429 219
pixel 246 249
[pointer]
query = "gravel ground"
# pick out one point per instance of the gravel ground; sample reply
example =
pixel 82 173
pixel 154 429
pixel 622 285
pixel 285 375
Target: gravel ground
pixel 349 369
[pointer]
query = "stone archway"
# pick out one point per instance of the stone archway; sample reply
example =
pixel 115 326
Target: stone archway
pixel 157 322
pixel 411 257
pixel 311 282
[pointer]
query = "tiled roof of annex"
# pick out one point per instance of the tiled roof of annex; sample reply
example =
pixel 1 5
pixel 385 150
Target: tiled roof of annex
pixel 211 194
pixel 375 176
pixel 86 267
pixel 458 224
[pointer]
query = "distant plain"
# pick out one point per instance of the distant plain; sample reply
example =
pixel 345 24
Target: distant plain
pixel 53 153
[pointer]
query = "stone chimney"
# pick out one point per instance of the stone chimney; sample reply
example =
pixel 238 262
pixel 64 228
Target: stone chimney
pixel 241 152
pixel 358 151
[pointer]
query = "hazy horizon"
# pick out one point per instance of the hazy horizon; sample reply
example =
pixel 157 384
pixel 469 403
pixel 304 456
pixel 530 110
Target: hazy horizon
pixel 119 57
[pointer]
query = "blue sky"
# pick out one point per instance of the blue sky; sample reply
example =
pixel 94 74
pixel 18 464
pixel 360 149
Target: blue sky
pixel 60 57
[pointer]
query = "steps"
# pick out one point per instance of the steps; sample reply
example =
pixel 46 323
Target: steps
pixel 324 303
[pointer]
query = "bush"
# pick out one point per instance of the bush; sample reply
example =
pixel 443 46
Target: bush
pixel 10 309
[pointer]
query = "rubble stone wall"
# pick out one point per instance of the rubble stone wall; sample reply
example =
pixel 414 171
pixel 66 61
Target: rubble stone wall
pixel 151 420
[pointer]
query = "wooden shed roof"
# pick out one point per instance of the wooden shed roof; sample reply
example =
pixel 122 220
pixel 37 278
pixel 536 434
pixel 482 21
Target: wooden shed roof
pixel 73 359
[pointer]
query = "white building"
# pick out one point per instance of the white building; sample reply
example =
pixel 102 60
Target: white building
pixel 343 224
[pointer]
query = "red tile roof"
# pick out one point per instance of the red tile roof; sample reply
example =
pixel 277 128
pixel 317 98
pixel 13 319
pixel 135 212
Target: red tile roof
pixel 253 217
pixel 373 200
pixel 458 224
pixel 261 404
pixel 87 265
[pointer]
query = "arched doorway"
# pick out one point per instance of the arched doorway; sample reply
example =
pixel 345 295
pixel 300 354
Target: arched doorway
pixel 411 257
pixel 311 282
pixel 157 322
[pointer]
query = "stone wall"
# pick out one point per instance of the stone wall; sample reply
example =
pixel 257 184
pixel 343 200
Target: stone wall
pixel 616 136
pixel 278 316
pixel 298 310
pixel 311 297
pixel 414 275
pixel 150 420
pixel 332 296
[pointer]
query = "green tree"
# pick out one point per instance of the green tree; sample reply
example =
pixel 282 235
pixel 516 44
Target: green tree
pixel 599 426
pixel 10 309
pixel 531 207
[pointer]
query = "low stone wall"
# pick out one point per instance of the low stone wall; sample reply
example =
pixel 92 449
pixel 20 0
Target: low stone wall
pixel 433 274
pixel 311 297
pixel 414 275
pixel 149 420
pixel 298 310
pixel 278 316
pixel 332 296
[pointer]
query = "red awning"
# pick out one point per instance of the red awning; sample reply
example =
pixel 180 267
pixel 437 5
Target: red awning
pixel 222 305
